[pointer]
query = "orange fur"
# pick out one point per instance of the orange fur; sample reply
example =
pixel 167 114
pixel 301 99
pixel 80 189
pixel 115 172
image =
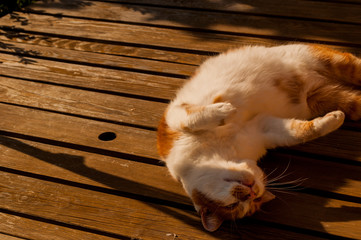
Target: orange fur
pixel 218 99
pixel 191 108
pixel 340 69
pixel 333 96
pixel 304 130
pixel 165 138
pixel 213 206
pixel 292 87
pixel 338 65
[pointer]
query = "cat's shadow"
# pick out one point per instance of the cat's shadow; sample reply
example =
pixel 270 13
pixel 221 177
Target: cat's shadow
pixel 166 202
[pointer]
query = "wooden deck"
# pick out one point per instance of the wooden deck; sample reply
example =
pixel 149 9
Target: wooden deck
pixel 71 70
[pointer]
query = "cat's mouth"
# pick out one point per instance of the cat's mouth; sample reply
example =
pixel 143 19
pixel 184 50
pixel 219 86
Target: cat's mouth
pixel 244 191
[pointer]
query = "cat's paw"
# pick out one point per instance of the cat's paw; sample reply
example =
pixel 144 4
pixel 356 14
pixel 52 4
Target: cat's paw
pixel 331 121
pixel 209 116
pixel 220 111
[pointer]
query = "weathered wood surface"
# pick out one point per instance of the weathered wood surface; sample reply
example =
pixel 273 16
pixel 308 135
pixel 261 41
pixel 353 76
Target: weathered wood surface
pixel 71 70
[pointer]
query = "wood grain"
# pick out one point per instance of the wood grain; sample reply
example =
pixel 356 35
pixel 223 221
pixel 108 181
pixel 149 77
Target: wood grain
pixel 33 229
pixel 82 103
pixel 111 81
pixel 8 237
pixel 108 61
pixel 320 10
pixel 117 49
pixel 229 22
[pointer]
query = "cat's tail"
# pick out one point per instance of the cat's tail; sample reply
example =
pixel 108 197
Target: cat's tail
pixel 191 118
pixel 339 66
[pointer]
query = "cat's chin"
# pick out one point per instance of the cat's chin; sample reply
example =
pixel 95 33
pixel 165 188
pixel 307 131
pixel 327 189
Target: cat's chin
pixel 227 189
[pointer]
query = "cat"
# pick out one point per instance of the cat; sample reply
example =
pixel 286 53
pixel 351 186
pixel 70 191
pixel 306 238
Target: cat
pixel 242 102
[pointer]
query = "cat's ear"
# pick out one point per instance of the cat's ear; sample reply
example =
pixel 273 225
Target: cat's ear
pixel 267 196
pixel 211 222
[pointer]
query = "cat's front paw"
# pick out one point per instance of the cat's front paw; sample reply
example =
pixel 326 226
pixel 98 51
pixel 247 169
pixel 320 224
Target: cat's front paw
pixel 332 121
pixel 221 111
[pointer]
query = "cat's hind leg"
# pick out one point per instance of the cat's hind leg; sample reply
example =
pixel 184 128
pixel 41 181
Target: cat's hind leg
pixel 286 132
pixel 339 66
pixel 330 97
pixel 341 72
pixel 187 117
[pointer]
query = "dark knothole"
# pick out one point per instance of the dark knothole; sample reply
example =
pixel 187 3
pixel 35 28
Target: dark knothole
pixel 107 136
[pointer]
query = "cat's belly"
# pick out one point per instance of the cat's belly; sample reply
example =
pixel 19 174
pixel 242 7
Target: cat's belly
pixel 275 105
pixel 240 142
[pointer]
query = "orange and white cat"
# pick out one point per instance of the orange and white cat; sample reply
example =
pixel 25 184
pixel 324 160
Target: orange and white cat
pixel 242 102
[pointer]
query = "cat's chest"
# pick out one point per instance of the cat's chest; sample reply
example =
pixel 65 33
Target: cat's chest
pixel 240 142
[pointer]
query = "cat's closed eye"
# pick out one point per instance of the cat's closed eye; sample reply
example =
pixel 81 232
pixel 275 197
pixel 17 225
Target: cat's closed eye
pixel 232 206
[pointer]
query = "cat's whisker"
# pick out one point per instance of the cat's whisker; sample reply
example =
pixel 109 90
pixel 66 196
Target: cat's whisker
pixel 298 181
pixel 269 174
pixel 279 178
pixel 282 175
pixel 286 191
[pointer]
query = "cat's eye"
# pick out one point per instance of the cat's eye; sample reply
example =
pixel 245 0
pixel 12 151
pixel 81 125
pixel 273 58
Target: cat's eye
pixel 232 206
pixel 257 199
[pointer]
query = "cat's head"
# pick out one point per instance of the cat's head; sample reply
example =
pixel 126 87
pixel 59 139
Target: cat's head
pixel 226 191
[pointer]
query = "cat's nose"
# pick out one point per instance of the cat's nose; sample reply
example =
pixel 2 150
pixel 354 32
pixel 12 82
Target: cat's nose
pixel 250 195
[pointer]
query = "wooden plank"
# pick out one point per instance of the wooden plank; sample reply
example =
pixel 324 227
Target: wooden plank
pixel 98 47
pixel 108 61
pixel 171 38
pixel 329 10
pixel 83 132
pixel 78 206
pixel 344 144
pixel 8 237
pixel 26 228
pixel 112 81
pixel 114 214
pixel 225 22
pixel 79 102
